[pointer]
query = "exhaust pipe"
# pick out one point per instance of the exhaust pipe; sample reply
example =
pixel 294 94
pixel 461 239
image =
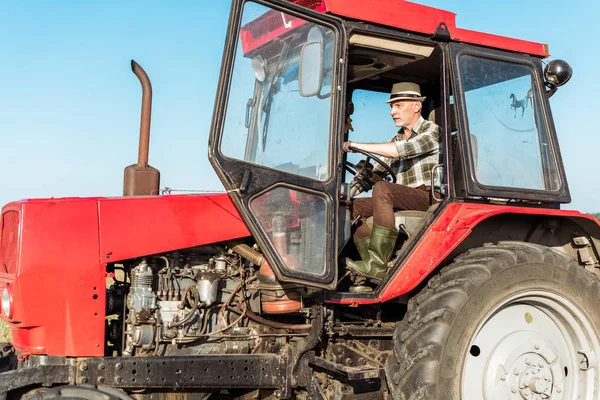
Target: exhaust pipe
pixel 141 179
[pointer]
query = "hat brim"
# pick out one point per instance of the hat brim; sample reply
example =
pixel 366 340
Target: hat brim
pixel 405 98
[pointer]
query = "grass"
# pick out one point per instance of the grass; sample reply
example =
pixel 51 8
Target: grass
pixel 5 336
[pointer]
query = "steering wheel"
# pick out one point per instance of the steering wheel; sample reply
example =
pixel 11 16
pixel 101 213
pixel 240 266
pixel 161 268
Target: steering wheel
pixel 353 169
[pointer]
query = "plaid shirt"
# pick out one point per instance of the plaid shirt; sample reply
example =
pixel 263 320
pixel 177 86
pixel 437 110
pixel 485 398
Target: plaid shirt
pixel 418 155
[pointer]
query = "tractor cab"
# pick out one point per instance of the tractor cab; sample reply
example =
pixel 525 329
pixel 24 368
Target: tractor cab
pixel 299 78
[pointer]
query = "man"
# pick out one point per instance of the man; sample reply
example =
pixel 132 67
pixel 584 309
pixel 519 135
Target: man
pixel 413 153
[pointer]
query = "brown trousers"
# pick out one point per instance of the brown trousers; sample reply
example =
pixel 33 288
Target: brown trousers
pixel 387 198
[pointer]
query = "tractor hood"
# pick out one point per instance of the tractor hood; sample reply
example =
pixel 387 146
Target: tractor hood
pixel 123 228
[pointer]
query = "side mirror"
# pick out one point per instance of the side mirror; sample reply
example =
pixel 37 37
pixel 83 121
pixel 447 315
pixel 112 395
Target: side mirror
pixel 556 73
pixel 259 68
pixel 310 73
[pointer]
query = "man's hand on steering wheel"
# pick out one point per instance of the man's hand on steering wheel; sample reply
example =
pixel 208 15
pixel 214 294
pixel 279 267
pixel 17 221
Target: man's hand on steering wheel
pixel 364 177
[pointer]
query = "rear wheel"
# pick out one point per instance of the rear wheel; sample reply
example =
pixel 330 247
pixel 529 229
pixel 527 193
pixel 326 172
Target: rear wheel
pixel 504 322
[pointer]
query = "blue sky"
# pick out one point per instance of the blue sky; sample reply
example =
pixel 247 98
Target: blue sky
pixel 70 106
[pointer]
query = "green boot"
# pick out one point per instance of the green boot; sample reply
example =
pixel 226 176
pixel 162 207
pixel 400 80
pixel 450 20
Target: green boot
pixel 362 245
pixel 381 247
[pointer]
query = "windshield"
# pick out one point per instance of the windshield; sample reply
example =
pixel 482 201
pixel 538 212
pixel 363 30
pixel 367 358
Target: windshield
pixel 268 121
pixel 510 145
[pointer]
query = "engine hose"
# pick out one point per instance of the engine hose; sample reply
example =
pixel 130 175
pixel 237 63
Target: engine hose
pixel 277 325
pixel 249 254
pixel 190 315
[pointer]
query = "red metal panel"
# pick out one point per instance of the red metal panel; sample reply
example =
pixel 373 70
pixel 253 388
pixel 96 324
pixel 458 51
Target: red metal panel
pixel 500 42
pixel 397 13
pixel 312 4
pixel 135 226
pixel 413 17
pixel 447 232
pixel 58 290
pixel 400 14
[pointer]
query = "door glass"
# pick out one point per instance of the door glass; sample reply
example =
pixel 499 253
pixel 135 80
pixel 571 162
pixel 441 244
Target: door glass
pixel 268 122
pixel 295 222
pixel 509 141
pixel 371 122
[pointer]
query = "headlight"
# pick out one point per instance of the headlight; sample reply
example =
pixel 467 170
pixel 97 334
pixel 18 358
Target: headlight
pixel 6 303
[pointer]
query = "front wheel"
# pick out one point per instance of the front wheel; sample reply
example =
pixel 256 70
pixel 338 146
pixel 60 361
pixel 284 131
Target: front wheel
pixel 504 322
pixel 8 358
pixel 80 392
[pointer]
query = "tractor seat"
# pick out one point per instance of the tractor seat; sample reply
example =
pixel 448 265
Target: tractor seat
pixel 409 221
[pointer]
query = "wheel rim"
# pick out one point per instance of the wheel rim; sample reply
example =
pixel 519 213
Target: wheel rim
pixel 536 345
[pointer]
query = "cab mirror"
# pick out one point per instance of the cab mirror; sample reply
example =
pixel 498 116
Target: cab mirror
pixel 310 72
pixel 556 73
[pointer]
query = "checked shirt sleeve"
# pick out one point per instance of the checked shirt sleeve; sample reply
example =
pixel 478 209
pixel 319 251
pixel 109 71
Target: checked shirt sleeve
pixel 428 141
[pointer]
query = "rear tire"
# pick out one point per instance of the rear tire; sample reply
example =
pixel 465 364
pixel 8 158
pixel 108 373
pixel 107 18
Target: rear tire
pixel 507 321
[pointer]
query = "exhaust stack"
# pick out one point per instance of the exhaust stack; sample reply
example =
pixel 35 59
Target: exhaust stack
pixel 141 179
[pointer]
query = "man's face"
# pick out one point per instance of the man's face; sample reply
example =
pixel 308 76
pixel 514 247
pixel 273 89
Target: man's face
pixel 403 111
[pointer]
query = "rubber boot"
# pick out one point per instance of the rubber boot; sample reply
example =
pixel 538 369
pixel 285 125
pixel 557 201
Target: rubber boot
pixel 362 245
pixel 381 247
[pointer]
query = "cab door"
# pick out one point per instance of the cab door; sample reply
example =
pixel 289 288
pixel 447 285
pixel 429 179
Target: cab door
pixel 275 134
pixel 507 141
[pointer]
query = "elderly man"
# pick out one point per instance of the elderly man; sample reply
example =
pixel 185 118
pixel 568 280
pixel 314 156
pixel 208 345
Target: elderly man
pixel 412 153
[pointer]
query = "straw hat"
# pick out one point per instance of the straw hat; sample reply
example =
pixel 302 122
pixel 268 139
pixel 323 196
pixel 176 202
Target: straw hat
pixel 405 91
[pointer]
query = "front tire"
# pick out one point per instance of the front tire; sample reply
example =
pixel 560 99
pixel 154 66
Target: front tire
pixel 80 392
pixel 507 321
pixel 8 358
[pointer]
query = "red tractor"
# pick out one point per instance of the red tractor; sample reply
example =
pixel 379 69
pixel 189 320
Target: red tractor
pixel 493 293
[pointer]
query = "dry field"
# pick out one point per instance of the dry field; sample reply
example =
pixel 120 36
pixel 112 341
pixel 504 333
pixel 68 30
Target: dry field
pixel 4 332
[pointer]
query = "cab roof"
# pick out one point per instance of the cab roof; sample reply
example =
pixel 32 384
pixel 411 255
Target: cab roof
pixel 418 18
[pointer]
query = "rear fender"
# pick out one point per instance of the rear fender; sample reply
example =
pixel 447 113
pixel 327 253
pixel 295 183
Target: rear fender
pixel 447 236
